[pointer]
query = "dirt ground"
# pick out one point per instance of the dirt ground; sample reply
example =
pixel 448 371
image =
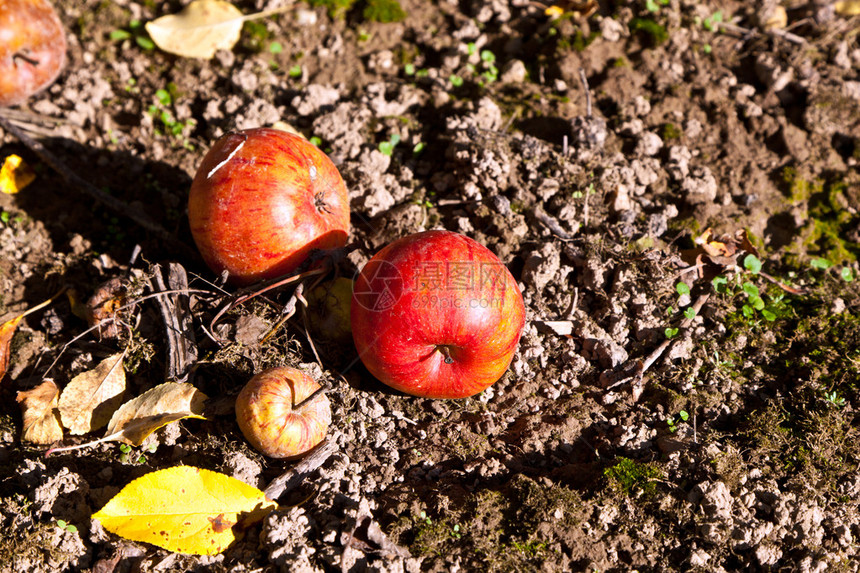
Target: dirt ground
pixel 641 426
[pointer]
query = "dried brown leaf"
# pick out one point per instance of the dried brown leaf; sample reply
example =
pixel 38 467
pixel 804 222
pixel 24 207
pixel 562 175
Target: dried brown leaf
pixel 90 399
pixel 39 410
pixel 141 416
pixel 7 331
pixel 202 28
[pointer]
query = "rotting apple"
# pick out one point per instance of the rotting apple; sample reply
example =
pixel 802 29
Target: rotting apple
pixel 272 416
pixel 32 48
pixel 262 200
pixel 437 315
pixel 328 310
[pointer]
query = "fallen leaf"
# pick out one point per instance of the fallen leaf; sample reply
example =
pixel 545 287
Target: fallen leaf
pixel 157 407
pixel 90 399
pixel 102 306
pixel 202 28
pixel 7 331
pixel 15 175
pixel 185 510
pixel 847 8
pixel 39 410
pixel 139 417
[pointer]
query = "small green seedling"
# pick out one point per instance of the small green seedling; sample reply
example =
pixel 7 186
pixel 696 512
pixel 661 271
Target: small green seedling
pixel 64 525
pixel 135 31
pixel 387 147
pixel 834 399
pixel 674 421
pixel 820 264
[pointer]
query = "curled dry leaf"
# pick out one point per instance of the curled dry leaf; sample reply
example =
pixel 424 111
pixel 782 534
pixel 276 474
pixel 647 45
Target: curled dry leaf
pixel 103 305
pixel 39 410
pixel 157 407
pixel 185 510
pixel 15 175
pixel 139 417
pixel 90 399
pixel 202 28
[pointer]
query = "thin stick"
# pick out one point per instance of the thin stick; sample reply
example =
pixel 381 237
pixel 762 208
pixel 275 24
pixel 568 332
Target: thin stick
pixel 658 352
pixel 291 478
pixel 584 80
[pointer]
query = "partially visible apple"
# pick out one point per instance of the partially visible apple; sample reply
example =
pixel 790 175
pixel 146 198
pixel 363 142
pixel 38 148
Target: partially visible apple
pixel 436 315
pixel 267 413
pixel 262 200
pixel 328 310
pixel 32 48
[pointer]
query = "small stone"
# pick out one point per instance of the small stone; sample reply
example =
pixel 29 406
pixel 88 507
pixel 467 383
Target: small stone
pixel 514 72
pixel 649 144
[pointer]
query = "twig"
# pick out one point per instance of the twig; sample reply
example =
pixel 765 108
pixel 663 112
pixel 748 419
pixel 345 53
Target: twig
pixel 181 343
pixel 748 32
pixel 658 352
pixel 291 478
pixel 584 80
pixel 112 203
pixel 551 224
pixel 267 287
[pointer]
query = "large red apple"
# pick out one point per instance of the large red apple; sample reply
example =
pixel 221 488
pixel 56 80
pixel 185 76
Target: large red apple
pixel 437 315
pixel 262 200
pixel 32 48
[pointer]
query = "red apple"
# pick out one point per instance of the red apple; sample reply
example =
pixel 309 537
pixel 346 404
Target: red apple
pixel 262 200
pixel 436 315
pixel 268 416
pixel 32 48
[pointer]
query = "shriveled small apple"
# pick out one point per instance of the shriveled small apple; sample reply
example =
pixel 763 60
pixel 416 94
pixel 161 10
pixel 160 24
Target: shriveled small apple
pixel 32 49
pixel 272 416
pixel 262 200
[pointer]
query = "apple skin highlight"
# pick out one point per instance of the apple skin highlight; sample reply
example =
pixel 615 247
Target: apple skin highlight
pixel 436 315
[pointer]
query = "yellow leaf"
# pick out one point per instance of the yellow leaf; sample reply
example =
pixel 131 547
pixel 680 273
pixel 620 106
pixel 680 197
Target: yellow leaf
pixel 554 12
pixel 157 407
pixel 202 28
pixel 39 410
pixel 90 399
pixel 15 175
pixel 847 8
pixel 185 510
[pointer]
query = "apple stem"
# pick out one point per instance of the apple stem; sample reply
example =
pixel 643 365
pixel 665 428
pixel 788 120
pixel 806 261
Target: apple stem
pixel 446 352
pixel 29 60
pixel 307 400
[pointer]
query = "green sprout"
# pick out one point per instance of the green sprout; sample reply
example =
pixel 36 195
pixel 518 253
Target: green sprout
pixel 63 524
pixel 135 31
pixel 387 147
pixel 819 263
pixel 675 421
